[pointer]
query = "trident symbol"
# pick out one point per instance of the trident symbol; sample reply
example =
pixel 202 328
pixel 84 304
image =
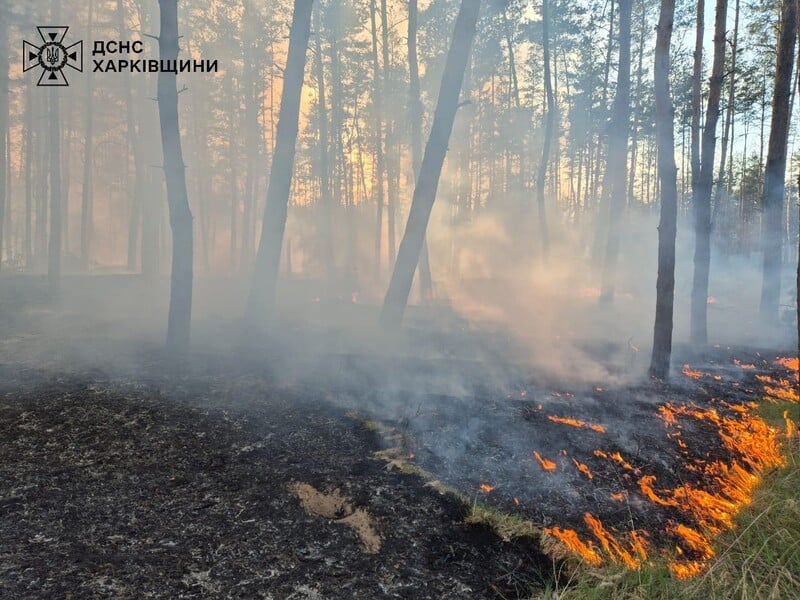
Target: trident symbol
pixel 52 55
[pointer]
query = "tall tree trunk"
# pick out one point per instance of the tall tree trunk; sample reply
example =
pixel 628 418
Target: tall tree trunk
pixel 29 157
pixel 431 168
pixel 392 156
pixel 667 172
pixel 5 212
pixel 180 215
pixel 549 122
pixel 135 222
pixel 775 173
pixel 697 90
pixel 325 208
pixel 415 119
pixel 616 165
pixel 88 160
pixel 638 100
pixel 729 114
pixel 54 240
pixel 702 197
pixel 262 295
pixel 377 98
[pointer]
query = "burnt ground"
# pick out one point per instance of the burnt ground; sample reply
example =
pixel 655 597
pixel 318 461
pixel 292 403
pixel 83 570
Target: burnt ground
pixel 125 473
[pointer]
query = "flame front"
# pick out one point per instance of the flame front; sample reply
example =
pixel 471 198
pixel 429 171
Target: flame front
pixel 577 423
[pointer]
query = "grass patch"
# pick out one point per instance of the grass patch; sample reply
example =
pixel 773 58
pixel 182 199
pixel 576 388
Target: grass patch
pixel 505 525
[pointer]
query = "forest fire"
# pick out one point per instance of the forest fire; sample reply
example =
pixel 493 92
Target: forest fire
pixel 703 508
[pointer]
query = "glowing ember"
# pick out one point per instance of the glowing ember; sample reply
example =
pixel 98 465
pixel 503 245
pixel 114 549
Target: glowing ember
pixel 742 365
pixel 711 300
pixel 619 496
pixel 616 456
pixel 576 423
pixel 690 373
pixel 486 488
pixel 547 465
pixel 583 469
pixel 516 500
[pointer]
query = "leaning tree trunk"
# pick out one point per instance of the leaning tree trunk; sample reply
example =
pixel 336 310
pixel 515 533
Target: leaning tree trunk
pixel 617 163
pixel 415 118
pixel 180 216
pixel 775 174
pixel 668 173
pixel 431 168
pixel 549 124
pixel 702 197
pixel 265 278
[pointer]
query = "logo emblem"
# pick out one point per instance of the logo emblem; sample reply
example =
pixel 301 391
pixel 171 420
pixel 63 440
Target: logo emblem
pixel 52 56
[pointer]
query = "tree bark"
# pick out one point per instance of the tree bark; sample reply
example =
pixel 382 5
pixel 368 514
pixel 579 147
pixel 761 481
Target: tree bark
pixel 4 212
pixel 54 240
pixel 180 215
pixel 549 122
pixel 697 89
pixel 667 171
pixel 262 295
pixel 377 94
pixel 325 208
pixel 702 198
pixel 431 168
pixel 415 118
pixel 617 164
pixel 775 173
pixel 88 160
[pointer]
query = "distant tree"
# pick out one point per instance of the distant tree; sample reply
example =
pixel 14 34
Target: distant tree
pixel 549 125
pixel 702 197
pixel 667 172
pixel 180 215
pixel 56 202
pixel 430 171
pixel 4 211
pixel 88 160
pixel 775 173
pixel 273 226
pixel 614 185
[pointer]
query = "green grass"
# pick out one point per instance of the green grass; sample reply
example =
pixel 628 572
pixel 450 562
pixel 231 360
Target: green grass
pixel 757 560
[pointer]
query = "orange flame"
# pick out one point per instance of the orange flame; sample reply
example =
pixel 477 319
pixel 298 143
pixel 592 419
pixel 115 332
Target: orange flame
pixel 486 488
pixel 573 542
pixel 583 469
pixel 789 363
pixel 577 423
pixel 616 456
pixel 547 465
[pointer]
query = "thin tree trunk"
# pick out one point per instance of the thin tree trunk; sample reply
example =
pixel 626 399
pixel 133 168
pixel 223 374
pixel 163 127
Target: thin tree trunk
pixel 5 212
pixel 180 215
pixel 88 159
pixel 702 198
pixel 431 168
pixel 415 118
pixel 29 157
pixel 262 295
pixel 775 173
pixel 325 208
pixel 729 110
pixel 392 157
pixel 614 185
pixel 667 172
pixel 549 122
pixel 377 94
pixel 697 89
pixel 54 241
